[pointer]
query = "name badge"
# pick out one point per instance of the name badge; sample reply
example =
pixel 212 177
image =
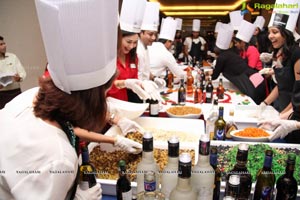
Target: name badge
pixel 132 66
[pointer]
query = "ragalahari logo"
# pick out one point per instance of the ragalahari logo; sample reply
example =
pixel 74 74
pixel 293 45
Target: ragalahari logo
pixel 246 8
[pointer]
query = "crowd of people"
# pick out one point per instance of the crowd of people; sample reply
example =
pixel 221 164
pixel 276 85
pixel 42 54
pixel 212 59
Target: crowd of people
pixel 43 125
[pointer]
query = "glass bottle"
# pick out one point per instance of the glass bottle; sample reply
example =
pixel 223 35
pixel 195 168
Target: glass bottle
pixel 183 189
pixel 220 126
pixel 87 178
pixel 170 172
pixel 230 125
pixel 198 94
pixel 189 82
pixel 220 89
pixel 181 93
pixel 214 164
pixel 233 187
pixel 147 163
pixel 123 186
pixel 202 75
pixel 210 121
pixel 203 175
pixel 170 80
pixel 153 107
pixel 286 184
pixel 240 168
pixel 265 179
pixel 209 91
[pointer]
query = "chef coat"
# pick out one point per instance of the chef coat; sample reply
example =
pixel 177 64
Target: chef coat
pixel 161 59
pixel 188 42
pixel 144 63
pixel 36 159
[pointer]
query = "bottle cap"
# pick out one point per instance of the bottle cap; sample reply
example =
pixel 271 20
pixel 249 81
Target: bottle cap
pixel 213 150
pixel 228 198
pixel 185 157
pixel 204 137
pixel 234 179
pixel 173 139
pixel 269 152
pixel 243 147
pixel 122 163
pixel 148 135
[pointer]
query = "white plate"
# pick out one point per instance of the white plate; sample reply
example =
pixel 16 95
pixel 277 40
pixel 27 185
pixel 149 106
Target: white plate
pixel 250 139
pixel 188 116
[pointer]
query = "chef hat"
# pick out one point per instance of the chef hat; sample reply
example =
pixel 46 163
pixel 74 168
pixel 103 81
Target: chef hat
pixel 80 39
pixel 245 31
pixel 224 37
pixel 196 25
pixel 179 24
pixel 286 16
pixel 235 19
pixel 151 17
pixel 168 29
pixel 132 13
pixel 260 22
pixel 218 26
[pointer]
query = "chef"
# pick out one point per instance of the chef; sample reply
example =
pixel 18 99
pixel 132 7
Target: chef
pixel 161 58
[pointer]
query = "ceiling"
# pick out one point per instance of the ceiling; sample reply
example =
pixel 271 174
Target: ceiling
pixel 208 11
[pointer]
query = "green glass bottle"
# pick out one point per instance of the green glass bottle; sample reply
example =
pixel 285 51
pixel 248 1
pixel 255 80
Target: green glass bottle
pixel 220 126
pixel 123 187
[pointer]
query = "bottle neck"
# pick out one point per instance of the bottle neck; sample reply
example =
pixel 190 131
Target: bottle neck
pixel 203 160
pixel 85 157
pixel 213 160
pixel 184 183
pixel 289 170
pixel 148 156
pixel 268 163
pixel 173 161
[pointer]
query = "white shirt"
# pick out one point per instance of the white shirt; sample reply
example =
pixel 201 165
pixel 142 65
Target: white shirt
pixel 188 42
pixel 144 64
pixel 36 158
pixel 161 59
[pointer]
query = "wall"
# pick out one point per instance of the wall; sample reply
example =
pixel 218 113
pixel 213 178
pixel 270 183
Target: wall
pixel 21 32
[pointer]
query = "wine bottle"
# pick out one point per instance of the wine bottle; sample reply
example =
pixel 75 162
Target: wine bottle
pixel 123 186
pixel 198 94
pixel 203 175
pixel 214 164
pixel 147 163
pixel 170 79
pixel 189 82
pixel 220 126
pixel 230 125
pixel 170 172
pixel 286 184
pixel 265 179
pixel 240 168
pixel 181 93
pixel 220 89
pixel 183 189
pixel 153 107
pixel 87 178
pixel 233 187
pixel 209 91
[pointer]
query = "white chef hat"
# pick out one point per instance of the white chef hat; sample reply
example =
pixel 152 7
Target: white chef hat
pixel 151 17
pixel 196 25
pixel 285 16
pixel 235 19
pixel 260 22
pixel 179 23
pixel 245 31
pixel 80 39
pixel 132 13
pixel 168 29
pixel 224 37
pixel 218 26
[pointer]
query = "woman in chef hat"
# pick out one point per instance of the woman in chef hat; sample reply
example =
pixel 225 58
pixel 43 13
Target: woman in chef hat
pixel 39 137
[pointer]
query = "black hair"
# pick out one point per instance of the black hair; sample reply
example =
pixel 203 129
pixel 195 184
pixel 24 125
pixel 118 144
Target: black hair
pixel 163 40
pixel 1 38
pixel 132 52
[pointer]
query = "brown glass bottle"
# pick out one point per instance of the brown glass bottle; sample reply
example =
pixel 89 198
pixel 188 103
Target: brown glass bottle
pixel 220 89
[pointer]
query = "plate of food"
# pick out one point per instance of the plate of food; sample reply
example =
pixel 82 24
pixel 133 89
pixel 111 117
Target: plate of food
pixel 189 112
pixel 251 134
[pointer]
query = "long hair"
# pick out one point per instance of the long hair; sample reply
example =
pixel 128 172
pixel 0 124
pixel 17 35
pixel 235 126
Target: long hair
pixel 132 52
pixel 85 108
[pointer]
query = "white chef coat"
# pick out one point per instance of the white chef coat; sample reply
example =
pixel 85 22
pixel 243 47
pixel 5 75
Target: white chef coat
pixel 161 59
pixel 188 42
pixel 144 63
pixel 36 159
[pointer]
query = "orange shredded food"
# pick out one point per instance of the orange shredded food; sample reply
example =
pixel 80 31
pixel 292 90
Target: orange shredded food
pixel 184 110
pixel 252 132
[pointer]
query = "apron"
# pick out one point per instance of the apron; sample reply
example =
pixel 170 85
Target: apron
pixel 195 51
pixel 285 78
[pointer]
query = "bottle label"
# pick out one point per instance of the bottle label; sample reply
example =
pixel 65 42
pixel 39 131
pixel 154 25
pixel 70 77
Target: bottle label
pixel 150 185
pixel 266 192
pixel 127 195
pixel 220 134
pixel 154 109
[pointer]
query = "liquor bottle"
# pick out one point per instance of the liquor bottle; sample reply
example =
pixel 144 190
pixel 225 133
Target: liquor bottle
pixel 240 168
pixel 220 126
pixel 214 164
pixel 87 178
pixel 202 75
pixel 170 172
pixel 230 125
pixel 181 93
pixel 170 79
pixel 233 187
pixel 265 179
pixel 123 186
pixel 189 82
pixel 220 89
pixel 153 107
pixel 203 175
pixel 183 189
pixel 286 184
pixel 212 117
pixel 147 163
pixel 198 93
pixel 209 91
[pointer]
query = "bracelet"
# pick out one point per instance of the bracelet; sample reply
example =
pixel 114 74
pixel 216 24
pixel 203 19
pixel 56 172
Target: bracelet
pixel 111 119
